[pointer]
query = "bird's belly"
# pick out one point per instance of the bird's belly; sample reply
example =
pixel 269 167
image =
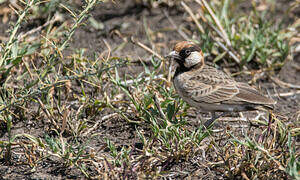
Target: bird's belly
pixel 219 107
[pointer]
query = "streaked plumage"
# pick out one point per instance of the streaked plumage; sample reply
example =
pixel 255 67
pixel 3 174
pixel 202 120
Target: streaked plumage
pixel 209 89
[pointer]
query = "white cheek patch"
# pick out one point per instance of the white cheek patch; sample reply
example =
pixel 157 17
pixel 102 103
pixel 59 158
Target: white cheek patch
pixel 193 59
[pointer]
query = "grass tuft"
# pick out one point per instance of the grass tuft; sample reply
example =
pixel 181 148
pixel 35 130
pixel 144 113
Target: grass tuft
pixel 97 114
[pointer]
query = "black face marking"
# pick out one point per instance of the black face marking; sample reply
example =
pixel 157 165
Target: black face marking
pixel 185 52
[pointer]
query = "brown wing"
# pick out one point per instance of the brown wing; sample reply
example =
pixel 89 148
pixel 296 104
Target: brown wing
pixel 251 95
pixel 209 85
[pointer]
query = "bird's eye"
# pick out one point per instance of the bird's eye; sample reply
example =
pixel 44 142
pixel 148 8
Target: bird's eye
pixel 187 52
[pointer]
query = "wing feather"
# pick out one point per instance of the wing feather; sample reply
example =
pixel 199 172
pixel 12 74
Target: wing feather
pixel 210 86
pixel 250 94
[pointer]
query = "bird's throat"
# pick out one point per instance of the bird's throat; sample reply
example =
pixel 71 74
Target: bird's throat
pixel 181 68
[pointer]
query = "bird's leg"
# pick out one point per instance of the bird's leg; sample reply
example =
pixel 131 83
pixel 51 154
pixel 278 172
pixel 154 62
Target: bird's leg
pixel 214 117
pixel 210 121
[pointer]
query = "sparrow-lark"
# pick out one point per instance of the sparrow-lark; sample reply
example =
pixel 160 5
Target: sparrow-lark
pixel 210 90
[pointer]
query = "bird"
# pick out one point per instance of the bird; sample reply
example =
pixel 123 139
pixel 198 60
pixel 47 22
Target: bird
pixel 209 89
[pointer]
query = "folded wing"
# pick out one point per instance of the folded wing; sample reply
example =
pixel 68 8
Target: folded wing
pixel 214 86
pixel 251 95
pixel 210 86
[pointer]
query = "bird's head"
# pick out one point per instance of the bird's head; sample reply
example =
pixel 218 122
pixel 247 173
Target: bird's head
pixel 187 54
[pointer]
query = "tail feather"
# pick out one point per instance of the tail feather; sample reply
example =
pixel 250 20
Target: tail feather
pixel 249 94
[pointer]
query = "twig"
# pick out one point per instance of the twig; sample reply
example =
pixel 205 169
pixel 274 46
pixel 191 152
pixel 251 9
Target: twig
pixel 98 122
pixel 27 67
pixel 157 104
pixel 56 17
pixel 146 48
pixel 180 32
pixel 229 52
pixel 284 84
pixel 47 113
pixel 219 43
pixel 170 71
pixel 286 94
pixel 148 32
pixel 225 36
pixel 193 17
pixel 233 119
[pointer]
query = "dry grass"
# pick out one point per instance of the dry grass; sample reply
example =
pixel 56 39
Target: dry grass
pixel 62 99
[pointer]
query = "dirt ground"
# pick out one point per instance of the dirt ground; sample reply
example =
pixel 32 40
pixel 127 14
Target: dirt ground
pixel 122 21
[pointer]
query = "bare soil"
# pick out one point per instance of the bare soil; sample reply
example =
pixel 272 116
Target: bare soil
pixel 127 19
